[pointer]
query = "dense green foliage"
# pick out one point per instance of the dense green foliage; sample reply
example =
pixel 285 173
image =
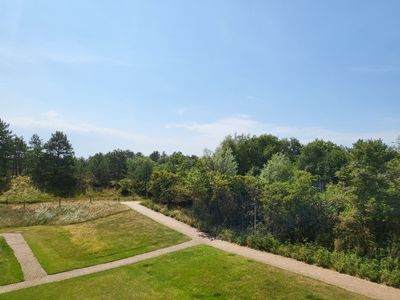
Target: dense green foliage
pixel 346 200
pixel 200 272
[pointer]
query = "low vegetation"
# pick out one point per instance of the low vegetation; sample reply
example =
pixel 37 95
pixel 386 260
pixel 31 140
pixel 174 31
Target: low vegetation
pixel 200 272
pixel 50 213
pixel 10 270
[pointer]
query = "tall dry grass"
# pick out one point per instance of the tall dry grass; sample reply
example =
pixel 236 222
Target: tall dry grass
pixel 50 213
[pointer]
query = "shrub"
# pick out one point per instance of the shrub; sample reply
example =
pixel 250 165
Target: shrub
pixel 304 253
pixel 391 277
pixel 262 242
pixel 226 235
pixel 125 187
pixel 322 257
pixel 369 270
pixel 345 263
pixel 284 250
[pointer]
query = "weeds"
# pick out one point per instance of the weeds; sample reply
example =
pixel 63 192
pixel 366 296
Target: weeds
pixel 51 214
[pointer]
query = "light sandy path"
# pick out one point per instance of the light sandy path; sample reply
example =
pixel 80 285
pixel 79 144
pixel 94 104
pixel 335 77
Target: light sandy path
pixel 30 266
pixel 350 283
pixel 94 269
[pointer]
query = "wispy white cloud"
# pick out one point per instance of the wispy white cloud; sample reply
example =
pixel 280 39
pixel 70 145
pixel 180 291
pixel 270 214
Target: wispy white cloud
pixel 211 134
pixel 52 120
pixel 190 138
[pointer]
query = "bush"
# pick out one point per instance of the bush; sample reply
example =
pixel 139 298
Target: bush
pixel 322 257
pixel 226 235
pixel 345 263
pixel 125 187
pixel 303 252
pixel 262 242
pixel 240 239
pixel 391 277
pixel 369 270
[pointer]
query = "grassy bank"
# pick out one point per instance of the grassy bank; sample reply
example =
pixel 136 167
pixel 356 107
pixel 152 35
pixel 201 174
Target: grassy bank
pixel 62 248
pixel 82 233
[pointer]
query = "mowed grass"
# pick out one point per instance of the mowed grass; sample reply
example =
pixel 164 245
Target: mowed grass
pixel 199 272
pixel 10 270
pixel 124 234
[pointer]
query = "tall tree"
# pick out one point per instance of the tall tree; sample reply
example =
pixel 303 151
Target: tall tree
pixel 252 152
pixel 59 165
pixel 117 163
pixel 224 162
pixel 155 156
pixel 279 168
pixel 140 170
pixel 99 170
pixel 18 156
pixel 5 153
pixel 372 177
pixel 292 210
pixel 322 159
pixel 35 160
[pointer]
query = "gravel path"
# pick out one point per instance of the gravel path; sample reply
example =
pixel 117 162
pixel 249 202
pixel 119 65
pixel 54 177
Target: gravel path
pixel 347 282
pixel 30 266
pixel 94 269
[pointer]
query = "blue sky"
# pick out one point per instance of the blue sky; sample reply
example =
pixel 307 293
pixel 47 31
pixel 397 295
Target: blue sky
pixel 181 75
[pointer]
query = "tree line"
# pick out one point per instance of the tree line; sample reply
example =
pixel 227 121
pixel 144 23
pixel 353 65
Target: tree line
pixel 344 199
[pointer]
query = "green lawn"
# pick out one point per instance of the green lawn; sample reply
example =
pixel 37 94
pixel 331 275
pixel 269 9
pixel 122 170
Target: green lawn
pixel 62 248
pixel 10 270
pixel 200 272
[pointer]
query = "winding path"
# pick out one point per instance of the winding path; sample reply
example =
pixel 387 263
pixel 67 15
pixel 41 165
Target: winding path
pixel 347 282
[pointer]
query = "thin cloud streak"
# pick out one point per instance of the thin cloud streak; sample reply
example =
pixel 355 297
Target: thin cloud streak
pixel 192 138
pixel 51 120
pixel 214 132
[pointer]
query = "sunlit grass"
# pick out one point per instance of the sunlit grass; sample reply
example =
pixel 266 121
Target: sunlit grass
pixel 200 272
pixel 10 270
pixel 62 248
